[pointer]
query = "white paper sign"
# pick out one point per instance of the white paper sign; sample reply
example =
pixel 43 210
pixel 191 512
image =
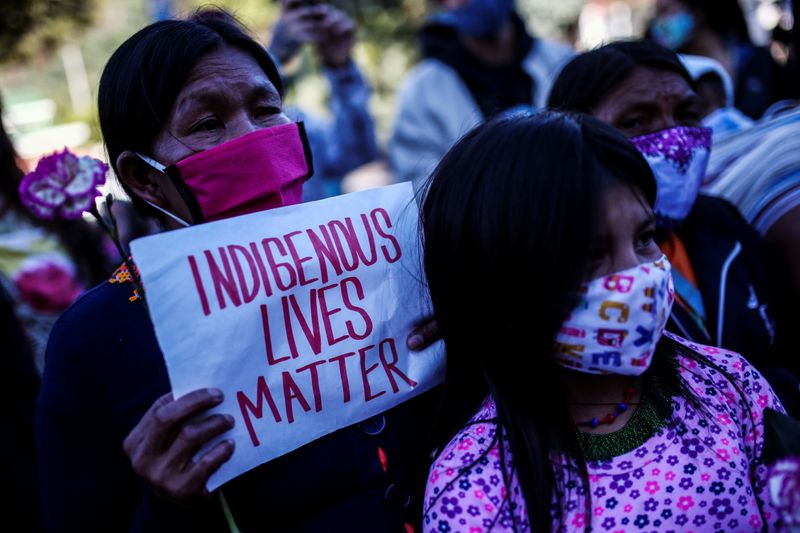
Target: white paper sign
pixel 299 314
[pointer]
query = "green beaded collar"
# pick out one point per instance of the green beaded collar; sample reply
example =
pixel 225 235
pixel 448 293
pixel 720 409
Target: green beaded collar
pixel 644 423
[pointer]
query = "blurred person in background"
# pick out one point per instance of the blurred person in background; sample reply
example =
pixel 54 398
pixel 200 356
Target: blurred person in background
pixel 347 140
pixel 44 265
pixel 727 288
pixel 478 60
pixel 759 170
pixel 718 29
pixel 714 89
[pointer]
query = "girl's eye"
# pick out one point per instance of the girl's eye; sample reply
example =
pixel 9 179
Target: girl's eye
pixel 646 239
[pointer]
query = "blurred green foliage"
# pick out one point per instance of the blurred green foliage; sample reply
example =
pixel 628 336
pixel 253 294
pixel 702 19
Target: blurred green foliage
pixel 31 27
pixel 31 66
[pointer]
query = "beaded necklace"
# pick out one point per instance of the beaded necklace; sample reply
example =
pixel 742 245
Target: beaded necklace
pixel 610 417
pixel 653 414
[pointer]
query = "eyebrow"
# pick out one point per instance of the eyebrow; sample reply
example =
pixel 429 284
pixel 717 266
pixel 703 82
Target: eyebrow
pixel 205 96
pixel 643 225
pixel 267 92
pixel 650 220
pixel 640 106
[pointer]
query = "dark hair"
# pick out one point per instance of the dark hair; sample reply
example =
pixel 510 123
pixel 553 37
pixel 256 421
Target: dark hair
pixel 514 205
pixel 83 242
pixel 144 76
pixel 590 77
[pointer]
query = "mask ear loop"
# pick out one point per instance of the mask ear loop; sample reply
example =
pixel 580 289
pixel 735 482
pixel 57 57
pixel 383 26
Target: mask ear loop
pixel 152 162
pixel 176 218
pixel 161 168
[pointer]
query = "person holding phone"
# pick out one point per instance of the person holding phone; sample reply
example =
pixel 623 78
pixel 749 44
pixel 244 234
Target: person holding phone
pixel 347 140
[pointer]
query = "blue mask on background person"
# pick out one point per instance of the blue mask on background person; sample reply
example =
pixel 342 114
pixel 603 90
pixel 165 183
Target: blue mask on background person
pixel 727 120
pixel 479 18
pixel 673 31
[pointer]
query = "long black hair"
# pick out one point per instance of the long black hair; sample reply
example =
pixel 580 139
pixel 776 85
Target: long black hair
pixel 508 222
pixel 586 80
pixel 144 76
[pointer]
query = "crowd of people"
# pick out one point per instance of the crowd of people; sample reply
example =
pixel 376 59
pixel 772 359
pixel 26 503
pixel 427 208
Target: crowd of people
pixel 661 172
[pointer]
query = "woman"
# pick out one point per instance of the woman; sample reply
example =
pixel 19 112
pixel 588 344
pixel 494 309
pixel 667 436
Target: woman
pixel 174 99
pixel 728 290
pixel 619 425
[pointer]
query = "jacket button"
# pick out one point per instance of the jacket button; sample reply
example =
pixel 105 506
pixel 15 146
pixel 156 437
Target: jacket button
pixel 373 426
pixel 397 496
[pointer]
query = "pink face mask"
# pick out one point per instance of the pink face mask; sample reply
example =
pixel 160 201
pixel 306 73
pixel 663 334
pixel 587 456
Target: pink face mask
pixel 258 171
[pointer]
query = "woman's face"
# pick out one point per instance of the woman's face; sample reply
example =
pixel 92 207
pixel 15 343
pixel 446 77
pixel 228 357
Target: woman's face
pixel 227 95
pixel 628 235
pixel 650 100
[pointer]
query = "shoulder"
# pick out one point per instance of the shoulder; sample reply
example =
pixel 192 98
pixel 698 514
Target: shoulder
pixel 429 73
pixel 102 344
pixel 723 378
pixel 466 486
pixel 97 314
pixel 550 53
pixel 476 438
pixel 720 216
pixel 710 208
pixel 716 219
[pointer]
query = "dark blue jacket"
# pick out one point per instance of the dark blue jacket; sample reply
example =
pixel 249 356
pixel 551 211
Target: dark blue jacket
pixel 103 371
pixel 744 312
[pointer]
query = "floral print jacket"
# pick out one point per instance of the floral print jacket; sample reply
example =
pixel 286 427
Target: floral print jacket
pixel 701 472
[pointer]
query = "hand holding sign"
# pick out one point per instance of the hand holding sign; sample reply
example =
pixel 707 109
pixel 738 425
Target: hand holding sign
pixel 164 444
pixel 298 324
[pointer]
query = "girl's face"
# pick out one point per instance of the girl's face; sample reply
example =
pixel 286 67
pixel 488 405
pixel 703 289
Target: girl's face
pixel 628 236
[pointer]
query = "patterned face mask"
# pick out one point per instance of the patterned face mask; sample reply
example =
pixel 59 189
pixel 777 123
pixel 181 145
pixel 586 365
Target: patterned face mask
pixel 615 328
pixel 678 157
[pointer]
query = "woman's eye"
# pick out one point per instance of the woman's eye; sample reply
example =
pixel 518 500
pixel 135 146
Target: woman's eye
pixel 266 112
pixel 209 124
pixel 689 117
pixel 631 122
pixel 632 125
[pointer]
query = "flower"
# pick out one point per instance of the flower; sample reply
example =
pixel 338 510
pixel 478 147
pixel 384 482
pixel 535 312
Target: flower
pixel 685 503
pixel 63 185
pixel 47 283
pixel 784 490
pixel 450 507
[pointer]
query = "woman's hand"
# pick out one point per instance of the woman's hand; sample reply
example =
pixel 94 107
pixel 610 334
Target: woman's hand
pixel 425 333
pixel 163 445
